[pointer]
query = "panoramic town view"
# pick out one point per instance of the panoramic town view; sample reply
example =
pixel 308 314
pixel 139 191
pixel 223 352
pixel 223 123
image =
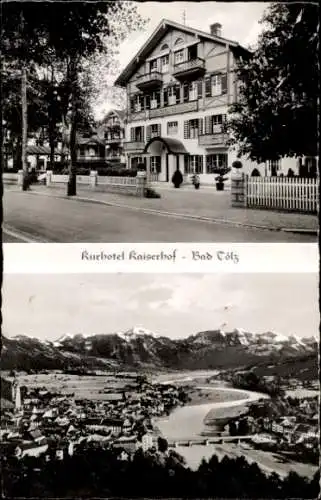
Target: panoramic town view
pixel 135 115
pixel 154 385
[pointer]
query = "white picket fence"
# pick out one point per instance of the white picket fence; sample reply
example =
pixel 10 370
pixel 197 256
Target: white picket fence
pixel 284 193
pixel 116 181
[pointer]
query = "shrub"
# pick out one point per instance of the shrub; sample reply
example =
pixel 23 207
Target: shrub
pixel 177 178
pixel 151 193
pixel 237 164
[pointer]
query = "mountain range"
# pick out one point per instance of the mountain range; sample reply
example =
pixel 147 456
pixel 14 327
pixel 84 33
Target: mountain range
pixel 139 348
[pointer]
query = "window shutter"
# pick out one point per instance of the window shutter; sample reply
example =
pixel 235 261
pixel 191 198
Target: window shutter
pixel 147 133
pixel 185 92
pixel 208 88
pixel 159 130
pixel 200 167
pixel 141 102
pixel 200 126
pixel 142 132
pixel 147 101
pixel 158 98
pixel 165 94
pixel 132 134
pixel 200 89
pixel 186 129
pixel 178 93
pixel 224 83
pixel 208 124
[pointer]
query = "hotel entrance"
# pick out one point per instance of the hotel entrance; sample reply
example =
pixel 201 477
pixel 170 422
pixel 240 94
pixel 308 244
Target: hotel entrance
pixel 164 156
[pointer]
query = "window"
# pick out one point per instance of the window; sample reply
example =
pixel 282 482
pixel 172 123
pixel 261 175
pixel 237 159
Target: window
pixel 179 41
pixel 137 134
pixel 164 47
pixel 215 162
pixel 171 95
pixel 193 164
pixel 153 65
pixel 164 64
pixel 136 160
pixel 192 128
pixel 216 85
pixel 192 91
pixel 179 56
pixel 217 123
pixel 137 104
pixel 155 100
pixel 172 128
pixel 154 130
pixel 155 164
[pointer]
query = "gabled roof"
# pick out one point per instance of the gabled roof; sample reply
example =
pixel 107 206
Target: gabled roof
pixel 121 113
pixel 164 26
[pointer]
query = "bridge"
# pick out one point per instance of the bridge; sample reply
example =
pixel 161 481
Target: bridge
pixel 173 443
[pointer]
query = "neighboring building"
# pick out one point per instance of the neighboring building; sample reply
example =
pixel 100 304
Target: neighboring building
pixel 11 394
pixel 90 149
pixel 179 88
pixel 149 440
pixel 112 130
pixel 31 449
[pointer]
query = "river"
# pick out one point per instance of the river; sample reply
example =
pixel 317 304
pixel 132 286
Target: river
pixel 188 423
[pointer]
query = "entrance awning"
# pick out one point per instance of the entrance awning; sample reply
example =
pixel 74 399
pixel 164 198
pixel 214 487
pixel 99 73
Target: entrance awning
pixel 173 146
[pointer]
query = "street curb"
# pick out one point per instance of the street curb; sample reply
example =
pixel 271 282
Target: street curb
pixel 177 215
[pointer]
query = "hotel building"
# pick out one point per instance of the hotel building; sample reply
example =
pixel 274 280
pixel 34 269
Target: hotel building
pixel 179 88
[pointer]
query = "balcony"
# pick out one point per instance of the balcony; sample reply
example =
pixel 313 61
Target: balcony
pixel 134 146
pixel 189 70
pixel 212 140
pixel 149 81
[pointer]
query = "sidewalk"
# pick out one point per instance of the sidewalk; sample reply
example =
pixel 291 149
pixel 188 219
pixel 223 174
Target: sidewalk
pixel 206 204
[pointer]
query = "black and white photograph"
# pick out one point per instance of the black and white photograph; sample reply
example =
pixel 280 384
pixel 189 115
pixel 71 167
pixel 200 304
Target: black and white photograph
pixel 167 386
pixel 160 121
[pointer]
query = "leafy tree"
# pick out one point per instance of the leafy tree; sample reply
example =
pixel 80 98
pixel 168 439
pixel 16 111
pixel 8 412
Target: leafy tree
pixel 277 111
pixel 86 30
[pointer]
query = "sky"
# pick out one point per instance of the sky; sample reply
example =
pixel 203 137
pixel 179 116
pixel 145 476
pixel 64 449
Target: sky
pixel 239 20
pixel 173 305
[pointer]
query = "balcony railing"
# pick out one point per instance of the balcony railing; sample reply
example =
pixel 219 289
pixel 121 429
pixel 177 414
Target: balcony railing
pixel 134 146
pixel 218 139
pixel 149 80
pixel 113 140
pixel 189 69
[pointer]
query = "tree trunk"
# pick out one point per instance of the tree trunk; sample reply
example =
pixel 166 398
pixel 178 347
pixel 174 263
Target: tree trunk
pixel 24 114
pixel 72 185
pixel 52 124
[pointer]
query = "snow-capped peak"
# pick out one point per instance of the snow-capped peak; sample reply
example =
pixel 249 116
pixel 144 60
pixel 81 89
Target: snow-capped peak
pixel 133 333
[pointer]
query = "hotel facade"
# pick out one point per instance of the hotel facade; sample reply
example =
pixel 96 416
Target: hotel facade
pixel 179 87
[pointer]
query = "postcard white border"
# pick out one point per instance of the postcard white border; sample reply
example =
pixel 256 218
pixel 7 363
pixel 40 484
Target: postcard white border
pixel 160 258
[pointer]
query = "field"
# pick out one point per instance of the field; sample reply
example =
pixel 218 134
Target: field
pixel 203 395
pixel 82 386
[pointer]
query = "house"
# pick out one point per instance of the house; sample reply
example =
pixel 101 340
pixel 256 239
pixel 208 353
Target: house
pixel 90 149
pixel 111 129
pixel 31 449
pixel 149 441
pixel 128 443
pixel 179 88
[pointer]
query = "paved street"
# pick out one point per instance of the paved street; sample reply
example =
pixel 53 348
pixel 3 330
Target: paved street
pixel 29 216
